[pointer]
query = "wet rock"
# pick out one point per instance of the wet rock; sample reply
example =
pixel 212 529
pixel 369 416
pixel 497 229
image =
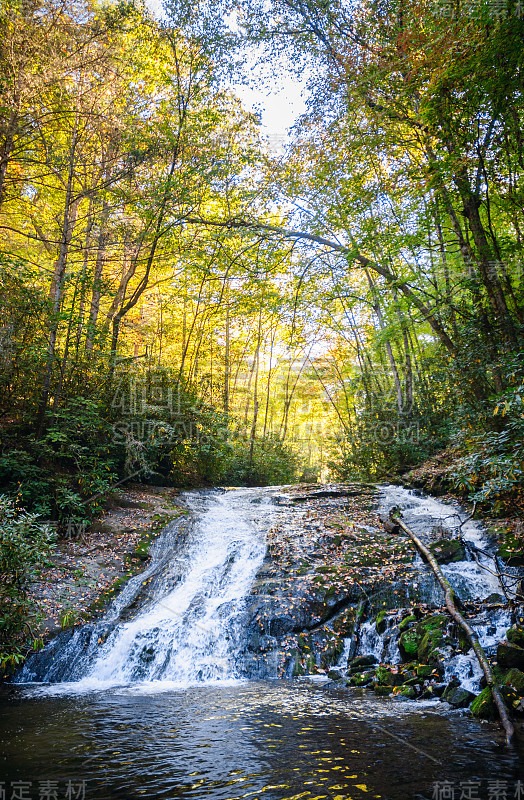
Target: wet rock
pixel 515 678
pixel 408 643
pixel 361 678
pixel 408 692
pixel 363 661
pixel 382 691
pixel 515 635
pixel 494 598
pixel 334 675
pixel 380 622
pixel 458 697
pixel 483 706
pixel 428 648
pixel 448 551
pixel 424 670
pixel 510 655
pixel 406 622
pixel 386 677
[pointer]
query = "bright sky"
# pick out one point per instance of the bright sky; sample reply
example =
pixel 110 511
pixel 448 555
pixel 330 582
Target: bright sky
pixel 279 106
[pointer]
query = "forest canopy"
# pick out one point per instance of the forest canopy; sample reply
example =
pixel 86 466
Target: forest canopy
pixel 182 304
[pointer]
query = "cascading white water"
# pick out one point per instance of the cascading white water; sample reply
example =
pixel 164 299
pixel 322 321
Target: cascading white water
pixel 471 580
pixel 187 631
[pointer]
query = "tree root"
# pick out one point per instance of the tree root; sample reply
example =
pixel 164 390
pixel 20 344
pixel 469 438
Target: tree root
pixel 468 630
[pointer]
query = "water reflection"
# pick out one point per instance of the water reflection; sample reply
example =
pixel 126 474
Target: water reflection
pixel 270 740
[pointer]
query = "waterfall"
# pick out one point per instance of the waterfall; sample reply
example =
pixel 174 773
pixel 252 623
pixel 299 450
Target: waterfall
pixel 187 629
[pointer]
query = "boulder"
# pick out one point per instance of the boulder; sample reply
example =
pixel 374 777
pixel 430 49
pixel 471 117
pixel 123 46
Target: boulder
pixel 382 691
pixel 408 692
pixel 361 678
pixel 386 677
pixel 515 678
pixel 458 697
pixel 483 706
pixel 428 647
pixel 380 622
pixel 515 635
pixel 448 551
pixel 362 661
pixel 408 643
pixel 510 655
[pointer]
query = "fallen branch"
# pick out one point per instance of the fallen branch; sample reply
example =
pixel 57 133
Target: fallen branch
pixel 468 630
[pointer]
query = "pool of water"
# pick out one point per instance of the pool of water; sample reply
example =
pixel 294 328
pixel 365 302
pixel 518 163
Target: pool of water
pixel 271 740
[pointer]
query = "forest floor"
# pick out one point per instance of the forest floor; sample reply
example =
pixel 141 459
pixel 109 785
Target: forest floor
pixel 84 573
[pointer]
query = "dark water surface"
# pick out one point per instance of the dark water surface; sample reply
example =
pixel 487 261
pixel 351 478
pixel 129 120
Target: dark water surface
pixel 272 740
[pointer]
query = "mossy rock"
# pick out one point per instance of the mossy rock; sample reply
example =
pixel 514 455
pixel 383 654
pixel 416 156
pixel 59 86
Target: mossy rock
pixel 424 671
pixel 510 655
pixel 409 642
pixel 428 648
pixel 515 678
pixel 406 622
pixel 382 691
pixel 448 551
pixel 515 635
pixel 483 706
pixel 363 661
pixel 388 678
pixel 458 697
pixel 380 622
pixel 408 692
pixel 434 622
pixel 512 550
pixel 334 675
pixel 361 678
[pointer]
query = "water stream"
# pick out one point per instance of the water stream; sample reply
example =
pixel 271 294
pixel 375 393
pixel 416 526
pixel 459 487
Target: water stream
pixel 150 701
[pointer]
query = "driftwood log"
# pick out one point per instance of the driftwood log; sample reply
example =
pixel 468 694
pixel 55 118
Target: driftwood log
pixel 468 630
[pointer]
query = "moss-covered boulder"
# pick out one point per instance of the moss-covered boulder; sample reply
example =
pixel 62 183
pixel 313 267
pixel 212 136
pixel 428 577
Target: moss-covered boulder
pixel 361 678
pixel 362 661
pixel 483 706
pixel 382 691
pixel 408 692
pixel 386 677
pixel 407 622
pixel 433 622
pixel 512 550
pixel 515 635
pixel 408 643
pixel 424 671
pixel 380 622
pixel 515 678
pixel 510 655
pixel 448 551
pixel 458 697
pixel 428 647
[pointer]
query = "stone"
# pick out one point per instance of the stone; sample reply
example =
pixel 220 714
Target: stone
pixel 406 622
pixel 515 678
pixel 363 661
pixel 361 678
pixel 424 670
pixel 380 622
pixel 382 691
pixel 433 622
pixel 408 643
pixel 493 598
pixel 483 706
pixel 388 678
pixel 448 551
pixel 515 635
pixel 458 697
pixel 408 692
pixel 428 647
pixel 510 655
pixel 334 675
